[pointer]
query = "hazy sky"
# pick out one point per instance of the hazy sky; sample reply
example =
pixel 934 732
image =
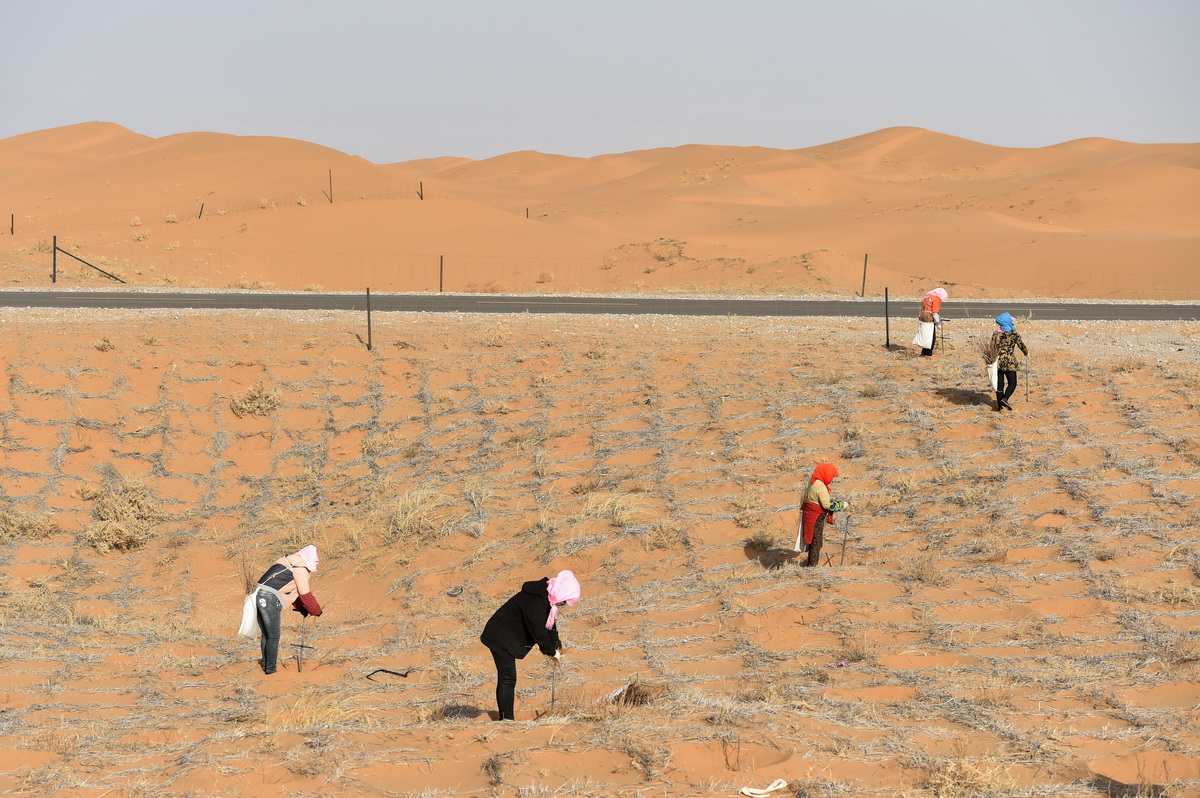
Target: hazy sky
pixel 392 80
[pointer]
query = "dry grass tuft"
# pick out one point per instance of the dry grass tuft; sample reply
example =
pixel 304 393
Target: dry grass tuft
pixel 255 401
pixel 19 525
pixel 126 515
pixel 857 648
pixel 422 515
pixel 619 508
pixel 973 496
pixel 317 709
pixel 967 777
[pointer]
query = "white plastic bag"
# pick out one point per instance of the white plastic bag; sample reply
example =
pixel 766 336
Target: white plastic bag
pixel 249 617
pixel 924 336
pixel 993 374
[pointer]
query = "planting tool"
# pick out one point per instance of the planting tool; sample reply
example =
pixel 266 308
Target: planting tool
pixel 845 539
pixel 553 684
pixel 301 646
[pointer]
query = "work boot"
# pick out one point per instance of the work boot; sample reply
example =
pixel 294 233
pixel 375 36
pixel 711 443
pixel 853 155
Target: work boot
pixel 999 402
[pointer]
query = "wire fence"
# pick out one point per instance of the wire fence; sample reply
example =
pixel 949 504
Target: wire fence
pixel 1093 266
pixel 635 271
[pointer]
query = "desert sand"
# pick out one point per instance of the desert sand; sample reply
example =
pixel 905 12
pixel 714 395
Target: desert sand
pixel 1088 218
pixel 1014 612
pixel 1009 609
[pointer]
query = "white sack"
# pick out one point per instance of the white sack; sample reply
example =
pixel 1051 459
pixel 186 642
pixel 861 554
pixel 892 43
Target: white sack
pixel 924 337
pixel 249 617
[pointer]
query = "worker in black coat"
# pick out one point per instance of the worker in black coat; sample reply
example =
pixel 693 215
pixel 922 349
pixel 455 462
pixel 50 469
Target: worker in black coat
pixel 525 620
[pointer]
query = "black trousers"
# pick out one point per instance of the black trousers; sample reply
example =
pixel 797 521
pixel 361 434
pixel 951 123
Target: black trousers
pixel 1006 383
pixel 506 684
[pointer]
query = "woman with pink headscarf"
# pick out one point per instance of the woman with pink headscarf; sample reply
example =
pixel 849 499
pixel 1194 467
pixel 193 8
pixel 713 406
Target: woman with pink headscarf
pixel 929 320
pixel 285 582
pixel 527 619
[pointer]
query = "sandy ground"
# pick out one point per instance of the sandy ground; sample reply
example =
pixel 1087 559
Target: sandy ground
pixel 913 208
pixel 1009 609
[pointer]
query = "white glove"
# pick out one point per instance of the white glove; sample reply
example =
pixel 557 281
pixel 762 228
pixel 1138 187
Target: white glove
pixel 558 655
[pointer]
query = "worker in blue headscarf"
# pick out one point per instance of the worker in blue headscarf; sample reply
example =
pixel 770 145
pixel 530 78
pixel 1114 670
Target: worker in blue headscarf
pixel 1006 340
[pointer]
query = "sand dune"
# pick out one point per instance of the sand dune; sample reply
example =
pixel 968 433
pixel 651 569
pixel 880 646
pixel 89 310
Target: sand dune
pixel 208 209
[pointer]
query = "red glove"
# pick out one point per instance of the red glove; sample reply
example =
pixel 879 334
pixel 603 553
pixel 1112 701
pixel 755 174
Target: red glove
pixel 306 604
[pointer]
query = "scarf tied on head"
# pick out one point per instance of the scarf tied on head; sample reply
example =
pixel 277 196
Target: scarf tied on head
pixel 564 587
pixel 308 556
pixel 1005 322
pixel 824 472
pixel 940 293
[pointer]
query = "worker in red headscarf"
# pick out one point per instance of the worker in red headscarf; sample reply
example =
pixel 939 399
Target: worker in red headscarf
pixel 816 508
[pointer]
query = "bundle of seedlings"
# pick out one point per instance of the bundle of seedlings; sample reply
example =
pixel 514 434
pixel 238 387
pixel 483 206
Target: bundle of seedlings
pixel 987 349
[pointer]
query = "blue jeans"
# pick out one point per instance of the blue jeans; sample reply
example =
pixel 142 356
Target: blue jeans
pixel 269 611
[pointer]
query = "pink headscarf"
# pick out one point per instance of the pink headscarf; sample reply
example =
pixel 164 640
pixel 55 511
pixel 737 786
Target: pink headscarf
pixel 940 293
pixel 564 587
pixel 308 556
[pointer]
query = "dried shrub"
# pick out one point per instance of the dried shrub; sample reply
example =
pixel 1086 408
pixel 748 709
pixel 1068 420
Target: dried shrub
pixel 921 568
pixel 255 401
pixel 749 510
pixel 636 693
pixel 19 525
pixel 661 536
pixel 105 344
pixel 126 515
pixel 966 777
pixel 1128 365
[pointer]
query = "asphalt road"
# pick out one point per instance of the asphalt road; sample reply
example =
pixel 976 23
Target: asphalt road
pixel 498 303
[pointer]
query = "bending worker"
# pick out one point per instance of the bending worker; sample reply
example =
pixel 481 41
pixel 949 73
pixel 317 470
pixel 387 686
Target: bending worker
pixel 930 319
pixel 527 619
pixel 285 582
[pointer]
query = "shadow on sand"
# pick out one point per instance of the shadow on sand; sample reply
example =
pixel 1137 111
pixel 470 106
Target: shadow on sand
pixel 958 396
pixel 770 559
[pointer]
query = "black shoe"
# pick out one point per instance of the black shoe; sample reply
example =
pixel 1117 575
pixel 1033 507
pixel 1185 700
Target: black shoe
pixel 1004 403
